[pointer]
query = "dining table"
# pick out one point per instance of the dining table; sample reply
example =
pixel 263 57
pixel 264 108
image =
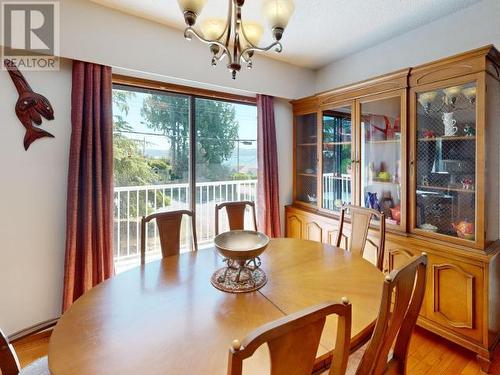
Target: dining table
pixel 165 317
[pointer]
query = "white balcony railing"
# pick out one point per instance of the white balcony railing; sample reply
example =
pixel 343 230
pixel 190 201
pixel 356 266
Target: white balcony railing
pixel 133 202
pixel 331 189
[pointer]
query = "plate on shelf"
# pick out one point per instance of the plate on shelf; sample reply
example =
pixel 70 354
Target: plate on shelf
pixel 429 227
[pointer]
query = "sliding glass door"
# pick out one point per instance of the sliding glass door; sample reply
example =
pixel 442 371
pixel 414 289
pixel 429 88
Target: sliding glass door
pixel 176 152
pixel 226 160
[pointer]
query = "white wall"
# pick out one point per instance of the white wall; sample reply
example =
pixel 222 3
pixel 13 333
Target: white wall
pixel 91 32
pixel 33 199
pixel 470 28
pixel 284 125
pixel 33 204
pixel 33 193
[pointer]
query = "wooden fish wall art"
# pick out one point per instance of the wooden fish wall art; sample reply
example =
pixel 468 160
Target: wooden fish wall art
pixel 30 107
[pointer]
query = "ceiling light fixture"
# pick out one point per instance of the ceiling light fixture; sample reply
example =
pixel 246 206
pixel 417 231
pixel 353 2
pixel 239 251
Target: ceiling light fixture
pixel 234 38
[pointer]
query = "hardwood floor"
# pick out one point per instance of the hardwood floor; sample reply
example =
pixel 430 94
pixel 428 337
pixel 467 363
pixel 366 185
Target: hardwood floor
pixel 429 355
pixel 32 347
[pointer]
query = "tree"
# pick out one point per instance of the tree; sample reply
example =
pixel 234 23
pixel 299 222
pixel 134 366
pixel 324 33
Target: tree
pixel 130 166
pixel 216 131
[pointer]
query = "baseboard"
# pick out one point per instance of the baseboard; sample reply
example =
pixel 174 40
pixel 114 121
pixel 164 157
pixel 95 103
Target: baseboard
pixel 35 329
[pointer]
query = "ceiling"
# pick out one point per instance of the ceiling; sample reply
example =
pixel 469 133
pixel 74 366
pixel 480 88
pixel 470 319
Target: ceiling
pixel 320 31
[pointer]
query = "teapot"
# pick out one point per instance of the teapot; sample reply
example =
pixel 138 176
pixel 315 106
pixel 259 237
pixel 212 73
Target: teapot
pixel 464 229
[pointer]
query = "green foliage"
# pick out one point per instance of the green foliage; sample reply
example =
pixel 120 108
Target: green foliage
pixel 130 166
pixel 216 130
pixel 170 115
pixel 243 176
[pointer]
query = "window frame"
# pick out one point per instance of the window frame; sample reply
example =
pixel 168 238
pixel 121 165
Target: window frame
pixel 193 93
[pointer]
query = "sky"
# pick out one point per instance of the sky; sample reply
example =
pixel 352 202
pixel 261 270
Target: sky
pixel 246 116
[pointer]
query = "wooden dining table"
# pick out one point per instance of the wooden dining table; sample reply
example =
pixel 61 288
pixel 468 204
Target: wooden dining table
pixel 167 318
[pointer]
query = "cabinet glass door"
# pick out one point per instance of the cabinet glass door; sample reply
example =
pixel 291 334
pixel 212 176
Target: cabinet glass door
pixel 446 161
pixel 380 148
pixel 306 158
pixel 337 148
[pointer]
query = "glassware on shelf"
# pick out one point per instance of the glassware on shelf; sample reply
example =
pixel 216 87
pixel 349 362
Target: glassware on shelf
pixel 446 161
pixel 306 158
pixel 381 157
pixel 336 154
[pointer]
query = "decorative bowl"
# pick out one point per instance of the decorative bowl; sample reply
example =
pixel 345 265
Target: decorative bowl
pixel 241 245
pixel 384 176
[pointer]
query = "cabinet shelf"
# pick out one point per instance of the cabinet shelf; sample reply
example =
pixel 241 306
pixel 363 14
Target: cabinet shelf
pixel 337 143
pixel 444 188
pixel 306 174
pixel 452 138
pixel 446 183
pixel 384 141
pixel 306 144
pixel 384 182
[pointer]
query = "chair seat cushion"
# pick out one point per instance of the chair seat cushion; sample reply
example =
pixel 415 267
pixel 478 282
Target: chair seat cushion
pixel 39 367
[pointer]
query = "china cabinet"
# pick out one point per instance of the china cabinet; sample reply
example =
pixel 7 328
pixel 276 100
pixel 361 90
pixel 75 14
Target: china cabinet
pixel 421 145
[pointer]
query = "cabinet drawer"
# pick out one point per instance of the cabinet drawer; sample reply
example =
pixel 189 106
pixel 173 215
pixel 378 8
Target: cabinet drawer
pixel 454 296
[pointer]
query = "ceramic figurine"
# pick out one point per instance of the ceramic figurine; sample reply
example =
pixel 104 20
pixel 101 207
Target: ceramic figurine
pixel 397 172
pixel 464 229
pixel 371 171
pixel 450 127
pixel 429 134
pixel 425 181
pixel 371 201
pixel 468 184
pixel 469 131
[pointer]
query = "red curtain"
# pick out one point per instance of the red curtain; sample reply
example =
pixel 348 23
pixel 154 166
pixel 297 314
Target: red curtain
pixel 267 155
pixel 89 227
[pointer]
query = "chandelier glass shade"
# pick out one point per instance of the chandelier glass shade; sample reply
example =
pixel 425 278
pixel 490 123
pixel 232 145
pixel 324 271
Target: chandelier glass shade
pixel 234 38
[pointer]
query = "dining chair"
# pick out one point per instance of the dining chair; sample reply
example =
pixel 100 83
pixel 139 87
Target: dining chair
pixel 293 341
pixel 360 224
pixel 402 296
pixel 235 214
pixel 9 363
pixel 169 228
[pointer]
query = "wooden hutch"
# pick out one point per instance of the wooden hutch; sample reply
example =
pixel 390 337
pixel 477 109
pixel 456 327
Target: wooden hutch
pixel 422 145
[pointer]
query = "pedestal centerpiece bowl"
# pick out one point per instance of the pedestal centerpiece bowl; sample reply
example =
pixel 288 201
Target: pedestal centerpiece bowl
pixel 241 250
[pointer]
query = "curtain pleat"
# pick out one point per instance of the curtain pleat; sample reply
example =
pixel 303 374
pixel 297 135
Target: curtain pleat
pixel 89 227
pixel 267 156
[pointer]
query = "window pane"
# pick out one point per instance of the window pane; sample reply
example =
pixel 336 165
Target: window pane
pixel 381 157
pixel 226 161
pixel 306 160
pixel 446 161
pixel 151 167
pixel 337 168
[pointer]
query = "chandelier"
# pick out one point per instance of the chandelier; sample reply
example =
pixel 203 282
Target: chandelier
pixel 235 38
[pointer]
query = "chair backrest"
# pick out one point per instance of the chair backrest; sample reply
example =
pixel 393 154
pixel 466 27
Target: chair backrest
pixel 9 364
pixel 360 224
pixel 293 341
pixel 402 297
pixel 235 214
pixel 169 229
